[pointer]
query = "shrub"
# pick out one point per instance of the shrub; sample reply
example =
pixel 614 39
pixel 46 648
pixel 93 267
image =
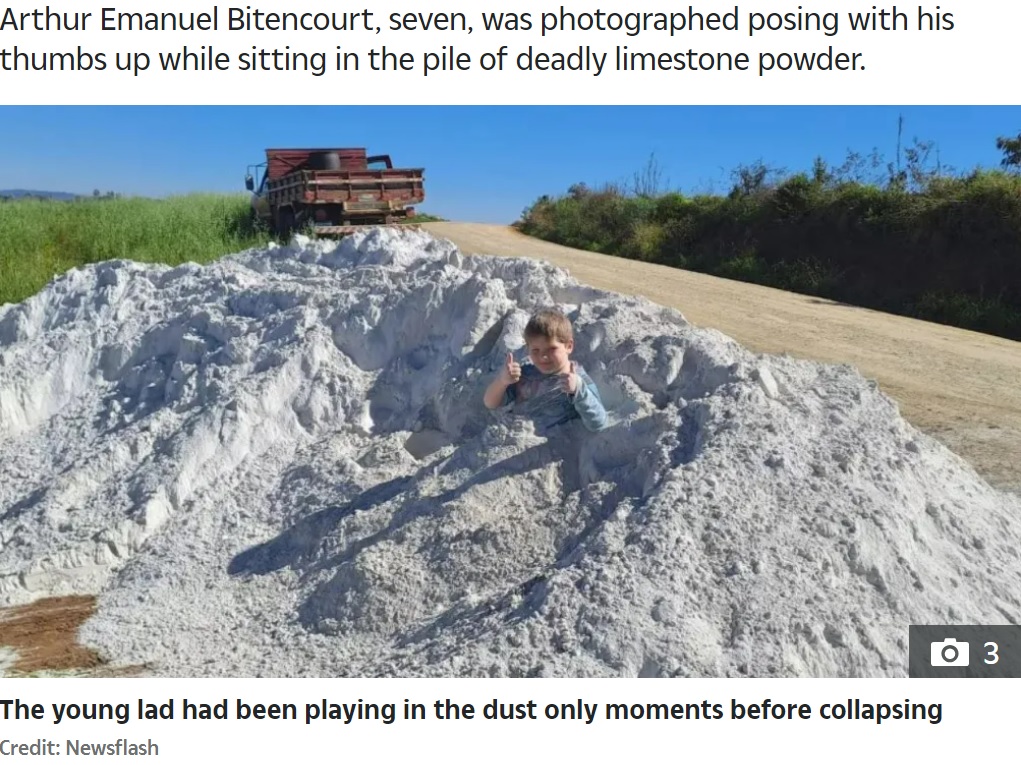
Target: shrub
pixel 942 247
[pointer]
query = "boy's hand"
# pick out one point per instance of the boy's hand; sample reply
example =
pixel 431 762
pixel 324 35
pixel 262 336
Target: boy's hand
pixel 511 371
pixel 569 382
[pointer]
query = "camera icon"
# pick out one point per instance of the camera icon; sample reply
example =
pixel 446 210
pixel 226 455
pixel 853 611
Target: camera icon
pixel 949 653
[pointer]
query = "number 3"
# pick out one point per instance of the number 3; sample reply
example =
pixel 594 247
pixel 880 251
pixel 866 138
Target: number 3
pixel 992 656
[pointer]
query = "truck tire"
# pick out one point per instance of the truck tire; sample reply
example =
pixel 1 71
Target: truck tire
pixel 283 224
pixel 324 160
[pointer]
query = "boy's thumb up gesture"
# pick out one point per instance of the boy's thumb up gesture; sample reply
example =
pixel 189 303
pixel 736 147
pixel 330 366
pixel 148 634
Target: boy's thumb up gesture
pixel 511 371
pixel 569 382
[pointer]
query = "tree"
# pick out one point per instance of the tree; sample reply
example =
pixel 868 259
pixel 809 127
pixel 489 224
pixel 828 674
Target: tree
pixel 648 182
pixel 754 178
pixel 917 173
pixel 578 191
pixel 860 168
pixel 821 175
pixel 1011 148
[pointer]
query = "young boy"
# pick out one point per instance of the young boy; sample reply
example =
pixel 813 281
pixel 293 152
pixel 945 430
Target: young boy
pixel 553 388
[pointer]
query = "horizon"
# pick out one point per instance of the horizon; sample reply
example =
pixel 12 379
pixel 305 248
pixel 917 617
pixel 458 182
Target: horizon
pixel 482 164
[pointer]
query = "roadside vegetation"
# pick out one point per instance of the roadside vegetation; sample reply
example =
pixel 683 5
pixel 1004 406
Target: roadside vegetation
pixel 43 238
pixel 908 237
pixel 424 218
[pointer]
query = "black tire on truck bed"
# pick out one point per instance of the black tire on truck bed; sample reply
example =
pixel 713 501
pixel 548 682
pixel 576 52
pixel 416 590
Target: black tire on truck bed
pixel 324 160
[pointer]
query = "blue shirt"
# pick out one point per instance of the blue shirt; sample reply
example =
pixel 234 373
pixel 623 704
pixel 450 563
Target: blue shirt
pixel 541 398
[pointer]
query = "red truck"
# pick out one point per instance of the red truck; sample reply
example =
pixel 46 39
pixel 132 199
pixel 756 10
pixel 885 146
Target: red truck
pixel 331 191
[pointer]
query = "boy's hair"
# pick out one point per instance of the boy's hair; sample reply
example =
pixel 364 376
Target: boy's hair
pixel 551 324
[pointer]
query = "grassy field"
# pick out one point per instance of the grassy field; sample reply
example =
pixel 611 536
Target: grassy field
pixel 40 239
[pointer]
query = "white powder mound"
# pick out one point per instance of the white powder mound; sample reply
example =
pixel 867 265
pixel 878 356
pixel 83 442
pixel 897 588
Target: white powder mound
pixel 280 464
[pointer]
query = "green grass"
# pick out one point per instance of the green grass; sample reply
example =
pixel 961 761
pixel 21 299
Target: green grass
pixel 41 239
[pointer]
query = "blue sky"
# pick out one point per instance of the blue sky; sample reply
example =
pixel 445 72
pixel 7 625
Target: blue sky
pixel 483 164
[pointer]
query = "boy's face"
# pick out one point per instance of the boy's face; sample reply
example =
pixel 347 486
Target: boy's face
pixel 550 356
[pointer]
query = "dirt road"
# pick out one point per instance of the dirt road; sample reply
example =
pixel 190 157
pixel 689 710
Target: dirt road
pixel 961 387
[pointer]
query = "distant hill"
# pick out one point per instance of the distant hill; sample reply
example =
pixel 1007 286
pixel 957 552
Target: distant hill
pixel 62 196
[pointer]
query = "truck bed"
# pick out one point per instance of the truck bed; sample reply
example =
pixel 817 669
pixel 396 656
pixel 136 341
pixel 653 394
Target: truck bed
pixel 355 189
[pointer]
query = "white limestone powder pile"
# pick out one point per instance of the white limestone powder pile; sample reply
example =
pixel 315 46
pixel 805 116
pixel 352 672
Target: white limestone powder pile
pixel 280 464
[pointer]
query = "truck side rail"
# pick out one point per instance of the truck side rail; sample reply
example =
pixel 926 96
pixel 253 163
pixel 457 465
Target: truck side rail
pixel 333 186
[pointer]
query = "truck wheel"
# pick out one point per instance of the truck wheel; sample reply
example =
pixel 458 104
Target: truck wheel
pixel 284 224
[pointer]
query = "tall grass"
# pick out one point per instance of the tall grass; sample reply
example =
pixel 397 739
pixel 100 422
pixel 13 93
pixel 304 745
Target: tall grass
pixel 40 239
